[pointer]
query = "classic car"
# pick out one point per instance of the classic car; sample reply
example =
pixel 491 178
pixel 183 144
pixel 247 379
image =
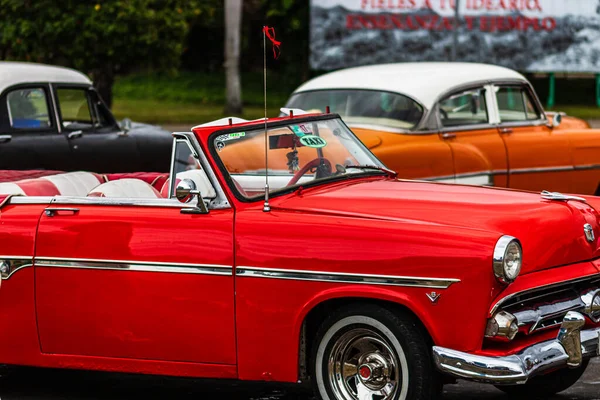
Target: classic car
pixel 52 118
pixel 319 266
pixel 459 122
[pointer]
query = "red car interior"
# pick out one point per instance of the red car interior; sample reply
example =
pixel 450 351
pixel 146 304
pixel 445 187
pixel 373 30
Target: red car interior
pixel 123 185
pixel 137 184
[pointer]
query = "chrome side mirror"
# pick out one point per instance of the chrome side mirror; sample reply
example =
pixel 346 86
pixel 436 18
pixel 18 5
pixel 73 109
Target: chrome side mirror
pixel 125 126
pixel 556 120
pixel 185 192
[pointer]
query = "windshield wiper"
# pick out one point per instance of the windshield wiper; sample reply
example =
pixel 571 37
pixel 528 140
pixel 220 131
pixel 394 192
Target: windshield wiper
pixel 389 172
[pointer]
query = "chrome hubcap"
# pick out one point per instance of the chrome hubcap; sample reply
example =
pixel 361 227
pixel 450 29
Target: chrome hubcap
pixel 363 366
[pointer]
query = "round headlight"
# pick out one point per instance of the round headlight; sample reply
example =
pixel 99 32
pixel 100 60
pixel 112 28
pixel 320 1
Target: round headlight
pixel 508 257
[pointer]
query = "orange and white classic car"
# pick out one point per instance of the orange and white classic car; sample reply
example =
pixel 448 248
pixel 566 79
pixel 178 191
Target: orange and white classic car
pixel 459 122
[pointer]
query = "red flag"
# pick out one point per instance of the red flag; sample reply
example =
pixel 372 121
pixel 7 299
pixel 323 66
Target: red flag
pixel 270 34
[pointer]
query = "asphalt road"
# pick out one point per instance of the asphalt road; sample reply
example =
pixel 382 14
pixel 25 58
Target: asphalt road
pixel 39 384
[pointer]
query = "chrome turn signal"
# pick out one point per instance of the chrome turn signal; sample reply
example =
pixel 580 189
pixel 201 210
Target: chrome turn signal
pixel 502 326
pixel 508 257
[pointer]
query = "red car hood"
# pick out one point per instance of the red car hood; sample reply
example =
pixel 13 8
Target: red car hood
pixel 551 232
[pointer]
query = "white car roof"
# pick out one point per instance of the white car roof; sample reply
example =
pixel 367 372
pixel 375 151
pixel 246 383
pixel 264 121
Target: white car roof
pixel 15 73
pixel 424 82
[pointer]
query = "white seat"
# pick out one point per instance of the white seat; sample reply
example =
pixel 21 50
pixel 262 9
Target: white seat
pixel 74 183
pixel 10 188
pixel 125 188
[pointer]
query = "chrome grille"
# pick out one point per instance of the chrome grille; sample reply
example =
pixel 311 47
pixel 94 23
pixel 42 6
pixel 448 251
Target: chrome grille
pixel 545 308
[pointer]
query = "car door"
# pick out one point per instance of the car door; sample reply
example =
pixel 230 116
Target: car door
pixel 97 142
pixel 477 148
pixel 29 137
pixel 136 279
pixel 539 158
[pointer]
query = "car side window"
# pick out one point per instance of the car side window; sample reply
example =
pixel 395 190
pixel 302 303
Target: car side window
pixel 28 109
pixel 74 107
pixel 515 104
pixel 184 159
pixel 464 108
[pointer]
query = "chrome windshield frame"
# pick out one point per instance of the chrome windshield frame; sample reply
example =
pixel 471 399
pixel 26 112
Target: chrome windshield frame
pixel 282 123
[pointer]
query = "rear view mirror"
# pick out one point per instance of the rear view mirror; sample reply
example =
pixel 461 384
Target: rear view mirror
pixel 125 125
pixel 185 192
pixel 556 120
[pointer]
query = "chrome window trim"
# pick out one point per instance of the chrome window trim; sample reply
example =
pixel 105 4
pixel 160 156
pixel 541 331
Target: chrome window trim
pixel 504 299
pixel 107 201
pixel 492 105
pixel 54 105
pixel 136 266
pixel 338 277
pixel 416 127
pixel 18 199
pixel 387 129
pixel 543 120
pixel 463 128
pixel 15 263
pixel 220 201
pixel 467 88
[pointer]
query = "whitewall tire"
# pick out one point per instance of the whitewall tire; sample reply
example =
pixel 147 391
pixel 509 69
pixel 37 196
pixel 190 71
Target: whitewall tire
pixel 366 352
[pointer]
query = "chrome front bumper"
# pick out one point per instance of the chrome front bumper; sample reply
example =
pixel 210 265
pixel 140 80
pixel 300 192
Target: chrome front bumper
pixel 570 347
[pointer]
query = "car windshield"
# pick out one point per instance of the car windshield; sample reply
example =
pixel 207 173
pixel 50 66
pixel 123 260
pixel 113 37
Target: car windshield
pixel 366 107
pixel 309 150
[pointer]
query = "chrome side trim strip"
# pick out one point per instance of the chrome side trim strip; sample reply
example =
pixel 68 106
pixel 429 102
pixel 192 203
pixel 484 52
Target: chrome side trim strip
pixel 321 276
pixel 564 168
pixel 586 167
pixel 9 265
pixel 206 269
pixel 517 171
pixel 108 201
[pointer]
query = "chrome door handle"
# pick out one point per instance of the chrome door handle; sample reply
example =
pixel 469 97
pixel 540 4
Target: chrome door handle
pixel 51 212
pixel 506 131
pixel 75 135
pixel 448 135
pixel 5 138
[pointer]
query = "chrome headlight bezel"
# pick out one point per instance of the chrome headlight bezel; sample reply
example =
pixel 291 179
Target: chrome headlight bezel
pixel 499 261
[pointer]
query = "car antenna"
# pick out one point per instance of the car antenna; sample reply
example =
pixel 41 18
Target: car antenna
pixel 270 33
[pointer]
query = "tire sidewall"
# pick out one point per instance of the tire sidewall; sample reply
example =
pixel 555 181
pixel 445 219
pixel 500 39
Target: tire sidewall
pixel 327 339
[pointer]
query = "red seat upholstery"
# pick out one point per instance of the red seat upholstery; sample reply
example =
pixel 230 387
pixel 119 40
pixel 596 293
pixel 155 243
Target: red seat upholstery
pixel 13 175
pixel 64 184
pixel 47 183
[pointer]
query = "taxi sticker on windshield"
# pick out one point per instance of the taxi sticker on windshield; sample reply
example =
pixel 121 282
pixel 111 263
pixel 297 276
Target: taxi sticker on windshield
pixel 313 141
pixel 300 130
pixel 230 136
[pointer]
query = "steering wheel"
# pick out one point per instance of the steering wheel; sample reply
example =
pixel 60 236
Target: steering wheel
pixel 317 162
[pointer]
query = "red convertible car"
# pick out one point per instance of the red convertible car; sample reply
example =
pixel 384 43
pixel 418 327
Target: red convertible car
pixel 368 286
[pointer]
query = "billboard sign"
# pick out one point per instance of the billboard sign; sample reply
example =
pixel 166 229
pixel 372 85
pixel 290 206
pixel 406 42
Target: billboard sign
pixel 526 35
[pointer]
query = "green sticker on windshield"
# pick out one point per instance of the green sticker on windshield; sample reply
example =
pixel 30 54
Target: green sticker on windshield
pixel 313 141
pixel 231 136
pixel 300 130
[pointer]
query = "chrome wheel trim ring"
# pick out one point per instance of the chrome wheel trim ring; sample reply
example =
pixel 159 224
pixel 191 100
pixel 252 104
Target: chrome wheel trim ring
pixel 382 336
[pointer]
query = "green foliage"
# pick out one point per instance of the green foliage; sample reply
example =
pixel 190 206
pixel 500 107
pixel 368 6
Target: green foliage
pixel 105 35
pixel 203 87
